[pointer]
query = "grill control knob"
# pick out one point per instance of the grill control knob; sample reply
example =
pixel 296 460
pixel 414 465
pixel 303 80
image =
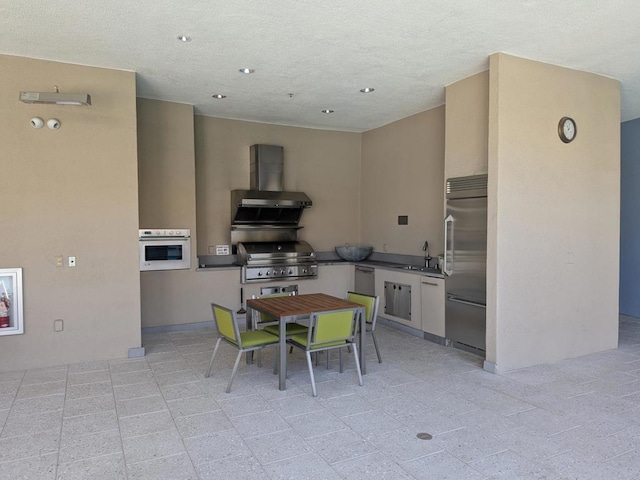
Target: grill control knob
pixel 259 274
pixel 290 272
pixel 268 273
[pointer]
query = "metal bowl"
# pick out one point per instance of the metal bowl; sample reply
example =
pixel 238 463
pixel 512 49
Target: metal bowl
pixel 352 253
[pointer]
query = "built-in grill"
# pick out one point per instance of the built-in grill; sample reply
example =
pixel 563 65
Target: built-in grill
pixel 276 260
pixel 265 223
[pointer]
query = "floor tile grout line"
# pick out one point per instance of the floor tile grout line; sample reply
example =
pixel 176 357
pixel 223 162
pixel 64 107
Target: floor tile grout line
pixel 620 455
pixel 353 458
pixel 175 424
pixel 149 460
pixel 115 407
pixel 64 401
pixel 565 431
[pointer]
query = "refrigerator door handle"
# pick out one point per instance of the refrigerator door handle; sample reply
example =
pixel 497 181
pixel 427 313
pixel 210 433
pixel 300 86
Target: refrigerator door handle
pixel 453 298
pixel 447 263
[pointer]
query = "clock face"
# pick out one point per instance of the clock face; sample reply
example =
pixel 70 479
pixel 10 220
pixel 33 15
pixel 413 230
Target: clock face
pixel 567 129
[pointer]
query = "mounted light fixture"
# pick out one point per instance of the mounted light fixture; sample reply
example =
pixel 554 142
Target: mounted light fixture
pixel 55 98
pixel 36 122
pixel 53 124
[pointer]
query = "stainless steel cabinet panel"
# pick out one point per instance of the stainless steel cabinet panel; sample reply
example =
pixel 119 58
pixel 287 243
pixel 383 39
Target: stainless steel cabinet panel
pixel 397 298
pixel 365 280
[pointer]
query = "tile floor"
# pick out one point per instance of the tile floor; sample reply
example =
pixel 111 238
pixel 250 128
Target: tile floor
pixel 159 418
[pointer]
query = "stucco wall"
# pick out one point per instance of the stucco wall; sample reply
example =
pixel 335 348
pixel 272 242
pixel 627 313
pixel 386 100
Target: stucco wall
pixel 323 164
pixel 629 219
pixel 167 186
pixel 467 126
pixel 70 192
pixel 552 277
pixel 402 174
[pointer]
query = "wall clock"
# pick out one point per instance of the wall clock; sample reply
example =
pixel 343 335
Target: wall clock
pixel 567 129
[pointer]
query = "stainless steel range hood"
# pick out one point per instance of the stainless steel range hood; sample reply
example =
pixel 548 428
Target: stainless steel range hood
pixel 266 203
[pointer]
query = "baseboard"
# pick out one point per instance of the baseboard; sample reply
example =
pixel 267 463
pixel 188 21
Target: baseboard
pixel 178 328
pixel 399 326
pixel 136 352
pixel 490 367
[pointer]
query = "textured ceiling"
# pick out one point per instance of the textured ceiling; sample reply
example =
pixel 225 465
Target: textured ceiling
pixel 323 51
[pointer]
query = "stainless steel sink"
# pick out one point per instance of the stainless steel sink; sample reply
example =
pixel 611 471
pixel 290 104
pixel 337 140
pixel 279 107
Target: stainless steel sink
pixel 419 269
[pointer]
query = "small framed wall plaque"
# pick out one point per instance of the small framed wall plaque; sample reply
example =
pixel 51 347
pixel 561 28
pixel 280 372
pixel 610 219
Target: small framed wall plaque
pixel 11 321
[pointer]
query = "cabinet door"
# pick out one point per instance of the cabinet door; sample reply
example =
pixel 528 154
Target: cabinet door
pixel 411 302
pixel 333 280
pixel 432 291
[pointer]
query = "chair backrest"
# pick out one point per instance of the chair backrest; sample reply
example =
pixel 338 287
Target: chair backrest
pixel 264 317
pixel 226 323
pixel 332 326
pixel 369 303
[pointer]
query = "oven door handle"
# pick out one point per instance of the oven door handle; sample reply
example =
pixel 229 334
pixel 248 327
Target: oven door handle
pixel 165 239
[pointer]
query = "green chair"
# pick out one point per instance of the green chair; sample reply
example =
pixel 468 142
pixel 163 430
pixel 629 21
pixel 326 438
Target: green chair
pixel 227 327
pixel 370 305
pixel 327 331
pixel 271 325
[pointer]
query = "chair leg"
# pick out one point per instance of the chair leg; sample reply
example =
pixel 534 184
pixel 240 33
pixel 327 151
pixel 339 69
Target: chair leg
pixel 355 355
pixel 340 354
pixel 313 381
pixel 375 344
pixel 235 369
pixel 328 359
pixel 260 358
pixel 213 356
pixel 276 355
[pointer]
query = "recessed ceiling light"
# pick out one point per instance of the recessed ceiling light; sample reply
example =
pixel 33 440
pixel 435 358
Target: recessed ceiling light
pixel 218 95
pixel 367 90
pixel 184 38
pixel 327 110
pixel 246 70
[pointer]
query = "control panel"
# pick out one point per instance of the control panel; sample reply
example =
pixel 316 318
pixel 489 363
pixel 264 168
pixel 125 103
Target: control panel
pixel 276 272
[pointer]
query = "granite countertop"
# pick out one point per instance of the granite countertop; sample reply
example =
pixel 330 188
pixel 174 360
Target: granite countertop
pixel 431 272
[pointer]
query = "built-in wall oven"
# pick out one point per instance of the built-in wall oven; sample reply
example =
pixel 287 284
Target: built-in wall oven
pixel 165 249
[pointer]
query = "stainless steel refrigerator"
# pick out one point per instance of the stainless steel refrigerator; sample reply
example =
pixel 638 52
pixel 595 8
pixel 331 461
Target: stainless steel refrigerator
pixel 465 262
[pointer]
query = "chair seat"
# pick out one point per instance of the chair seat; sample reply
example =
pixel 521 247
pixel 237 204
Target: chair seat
pixel 255 338
pixel 292 329
pixel 303 338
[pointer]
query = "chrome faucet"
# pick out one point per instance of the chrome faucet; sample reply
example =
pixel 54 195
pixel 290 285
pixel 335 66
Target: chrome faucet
pixel 427 258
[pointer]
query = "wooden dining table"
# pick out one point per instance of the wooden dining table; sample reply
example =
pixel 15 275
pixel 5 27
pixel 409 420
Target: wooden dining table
pixel 296 307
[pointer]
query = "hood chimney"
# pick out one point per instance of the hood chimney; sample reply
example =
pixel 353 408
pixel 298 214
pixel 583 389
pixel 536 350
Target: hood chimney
pixel 267 171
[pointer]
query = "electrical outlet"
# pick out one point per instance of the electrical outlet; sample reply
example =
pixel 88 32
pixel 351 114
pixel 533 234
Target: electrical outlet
pixel 384 247
pixel 58 325
pixel 59 260
pixel 212 249
pixel 72 261
pixel 569 258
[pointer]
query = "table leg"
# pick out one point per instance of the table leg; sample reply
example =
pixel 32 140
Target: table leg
pixel 363 339
pixel 282 347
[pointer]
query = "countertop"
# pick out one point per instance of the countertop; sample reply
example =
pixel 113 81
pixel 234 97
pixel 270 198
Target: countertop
pixel 431 272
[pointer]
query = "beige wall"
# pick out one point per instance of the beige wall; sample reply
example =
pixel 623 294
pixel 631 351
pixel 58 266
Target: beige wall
pixel 166 165
pixel 71 192
pixel 323 164
pixel 548 199
pixel 167 186
pixel 402 171
pixel 467 125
